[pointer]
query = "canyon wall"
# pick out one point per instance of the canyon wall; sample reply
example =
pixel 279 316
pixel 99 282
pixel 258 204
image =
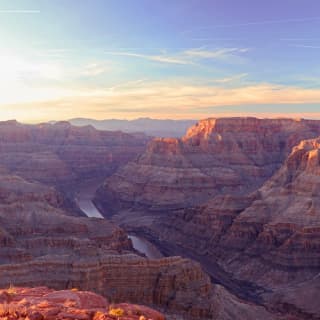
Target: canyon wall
pixel 216 156
pixel 42 244
pixel 240 195
pixel 62 154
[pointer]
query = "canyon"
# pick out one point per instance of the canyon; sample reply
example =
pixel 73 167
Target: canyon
pixel 64 155
pixel 47 178
pixel 222 223
pixel 239 195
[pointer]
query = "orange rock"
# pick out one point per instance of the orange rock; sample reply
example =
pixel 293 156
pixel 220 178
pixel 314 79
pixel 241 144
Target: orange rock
pixel 68 304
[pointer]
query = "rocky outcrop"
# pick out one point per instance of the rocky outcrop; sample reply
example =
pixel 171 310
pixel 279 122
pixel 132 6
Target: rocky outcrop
pixel 15 189
pixel 173 284
pixel 62 154
pixel 41 244
pixel 42 303
pixel 33 224
pixel 216 156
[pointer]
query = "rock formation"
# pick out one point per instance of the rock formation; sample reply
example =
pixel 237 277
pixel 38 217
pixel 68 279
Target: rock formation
pixel 42 303
pixel 41 244
pixel 62 154
pixel 216 156
pixel 240 196
pixel 232 194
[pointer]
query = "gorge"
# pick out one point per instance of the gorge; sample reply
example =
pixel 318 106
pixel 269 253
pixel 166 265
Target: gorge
pixel 240 196
pixel 220 224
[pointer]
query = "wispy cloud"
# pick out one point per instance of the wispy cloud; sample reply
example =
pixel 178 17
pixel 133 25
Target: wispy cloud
pixel 300 39
pixel 95 69
pixel 127 84
pixel 158 58
pixel 231 79
pixel 186 57
pixel 214 54
pixel 309 81
pixel 212 39
pixel 172 99
pixel 255 23
pixel 305 46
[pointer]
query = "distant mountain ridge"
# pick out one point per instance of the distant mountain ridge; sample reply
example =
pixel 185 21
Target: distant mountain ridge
pixel 152 127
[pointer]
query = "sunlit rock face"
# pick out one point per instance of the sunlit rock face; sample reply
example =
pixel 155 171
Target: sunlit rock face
pixel 47 304
pixel 241 196
pixel 216 156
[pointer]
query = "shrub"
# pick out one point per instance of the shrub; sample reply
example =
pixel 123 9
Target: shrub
pixel 12 290
pixel 98 315
pixel 116 312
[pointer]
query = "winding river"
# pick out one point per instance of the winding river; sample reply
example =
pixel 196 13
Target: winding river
pixel 84 201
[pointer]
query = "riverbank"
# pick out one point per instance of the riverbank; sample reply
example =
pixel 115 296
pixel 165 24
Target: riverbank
pixel 84 201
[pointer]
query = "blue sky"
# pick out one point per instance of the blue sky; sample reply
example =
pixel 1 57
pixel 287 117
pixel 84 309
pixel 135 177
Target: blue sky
pixel 163 59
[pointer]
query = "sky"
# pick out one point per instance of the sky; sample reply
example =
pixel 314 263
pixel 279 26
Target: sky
pixel 179 59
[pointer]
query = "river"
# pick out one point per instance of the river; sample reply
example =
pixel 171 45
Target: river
pixel 145 247
pixel 84 201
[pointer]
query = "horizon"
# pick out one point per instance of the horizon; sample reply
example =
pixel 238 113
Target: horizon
pixel 179 60
pixel 270 117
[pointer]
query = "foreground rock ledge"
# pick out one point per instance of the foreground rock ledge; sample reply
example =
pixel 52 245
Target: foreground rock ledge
pixel 42 303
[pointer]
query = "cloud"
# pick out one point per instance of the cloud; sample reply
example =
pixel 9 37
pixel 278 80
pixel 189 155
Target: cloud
pixel 158 58
pixel 157 99
pixel 95 69
pixel 186 57
pixel 299 39
pixel 305 46
pixel 231 79
pixel 255 23
pixel 212 39
pixel 214 54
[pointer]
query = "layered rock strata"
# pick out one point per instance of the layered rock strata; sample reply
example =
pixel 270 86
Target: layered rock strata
pixel 270 238
pixel 62 154
pixel 216 156
pixel 238 195
pixel 41 244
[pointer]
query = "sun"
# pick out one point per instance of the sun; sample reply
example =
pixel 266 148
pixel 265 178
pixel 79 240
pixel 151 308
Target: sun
pixel 24 80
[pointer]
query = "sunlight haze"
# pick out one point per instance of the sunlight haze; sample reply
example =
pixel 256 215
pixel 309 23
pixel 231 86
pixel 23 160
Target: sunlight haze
pixel 130 59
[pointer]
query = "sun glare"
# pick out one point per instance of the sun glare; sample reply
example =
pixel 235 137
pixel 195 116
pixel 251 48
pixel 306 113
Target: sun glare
pixel 24 81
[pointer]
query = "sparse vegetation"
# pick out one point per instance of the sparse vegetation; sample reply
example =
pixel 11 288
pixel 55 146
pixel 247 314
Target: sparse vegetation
pixel 116 312
pixel 12 310
pixel 11 290
pixel 98 315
